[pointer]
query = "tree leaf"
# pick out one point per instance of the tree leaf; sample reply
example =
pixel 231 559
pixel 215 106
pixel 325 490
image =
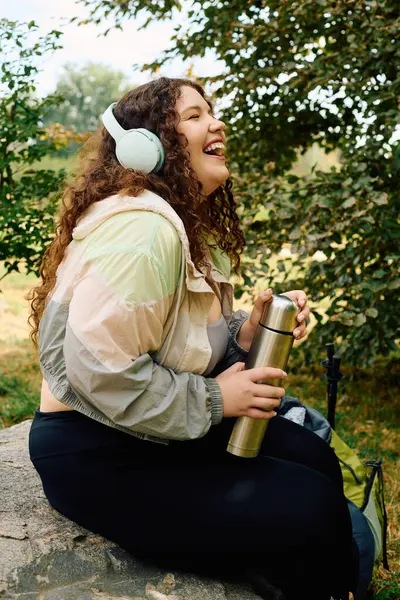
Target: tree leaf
pixel 395 284
pixel 379 198
pixel 359 320
pixel 349 202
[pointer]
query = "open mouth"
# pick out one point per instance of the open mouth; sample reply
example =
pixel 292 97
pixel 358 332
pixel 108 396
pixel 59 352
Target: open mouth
pixel 216 150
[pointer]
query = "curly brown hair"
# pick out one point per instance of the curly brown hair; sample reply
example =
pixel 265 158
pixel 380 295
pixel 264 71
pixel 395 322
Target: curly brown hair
pixel 151 106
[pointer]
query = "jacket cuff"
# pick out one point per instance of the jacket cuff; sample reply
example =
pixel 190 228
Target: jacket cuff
pixel 238 318
pixel 216 404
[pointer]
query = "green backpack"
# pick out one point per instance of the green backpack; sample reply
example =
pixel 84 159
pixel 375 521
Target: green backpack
pixel 363 486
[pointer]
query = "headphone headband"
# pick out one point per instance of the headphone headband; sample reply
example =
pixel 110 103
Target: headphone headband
pixel 111 123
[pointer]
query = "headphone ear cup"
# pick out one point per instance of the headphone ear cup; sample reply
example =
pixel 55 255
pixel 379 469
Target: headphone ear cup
pixel 141 150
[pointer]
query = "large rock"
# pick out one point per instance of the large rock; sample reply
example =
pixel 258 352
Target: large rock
pixel 45 556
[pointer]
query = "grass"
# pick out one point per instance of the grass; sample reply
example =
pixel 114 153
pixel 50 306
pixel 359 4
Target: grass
pixel 20 380
pixel 368 407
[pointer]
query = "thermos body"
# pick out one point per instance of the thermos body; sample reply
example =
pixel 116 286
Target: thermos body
pixel 271 347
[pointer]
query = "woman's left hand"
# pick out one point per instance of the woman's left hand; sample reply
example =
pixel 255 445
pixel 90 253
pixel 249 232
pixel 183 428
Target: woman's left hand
pixel 299 297
pixel 248 329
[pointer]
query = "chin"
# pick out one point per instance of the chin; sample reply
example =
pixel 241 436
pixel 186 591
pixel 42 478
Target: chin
pixel 211 186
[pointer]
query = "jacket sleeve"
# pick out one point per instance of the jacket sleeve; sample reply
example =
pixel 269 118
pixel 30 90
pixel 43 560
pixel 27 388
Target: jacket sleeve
pixel 120 303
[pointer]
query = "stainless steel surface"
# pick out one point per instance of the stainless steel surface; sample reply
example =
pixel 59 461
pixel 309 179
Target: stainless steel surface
pixel 268 349
pixel 247 436
pixel 280 314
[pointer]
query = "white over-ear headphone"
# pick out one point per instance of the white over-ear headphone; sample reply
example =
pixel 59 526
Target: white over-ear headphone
pixel 137 149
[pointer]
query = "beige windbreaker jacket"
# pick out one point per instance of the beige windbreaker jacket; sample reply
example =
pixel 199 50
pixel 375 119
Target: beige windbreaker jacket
pixel 123 338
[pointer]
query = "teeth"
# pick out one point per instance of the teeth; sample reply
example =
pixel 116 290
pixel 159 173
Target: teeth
pixel 215 146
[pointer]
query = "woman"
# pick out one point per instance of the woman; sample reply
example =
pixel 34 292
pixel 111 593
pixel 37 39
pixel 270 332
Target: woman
pixel 143 366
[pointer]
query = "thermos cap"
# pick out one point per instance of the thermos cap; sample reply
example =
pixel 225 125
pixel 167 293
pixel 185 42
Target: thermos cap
pixel 280 314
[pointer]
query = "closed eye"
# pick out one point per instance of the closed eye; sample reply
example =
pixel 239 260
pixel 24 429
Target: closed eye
pixel 194 117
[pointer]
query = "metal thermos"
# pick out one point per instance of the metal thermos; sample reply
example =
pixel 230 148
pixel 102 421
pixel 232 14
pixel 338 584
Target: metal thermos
pixel 271 347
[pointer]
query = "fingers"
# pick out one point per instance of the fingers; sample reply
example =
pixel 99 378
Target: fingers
pixel 301 299
pixel 236 368
pixel 265 415
pixel 258 308
pixel 260 390
pixel 267 404
pixel 266 295
pixel 262 373
pixel 302 317
pixel 300 332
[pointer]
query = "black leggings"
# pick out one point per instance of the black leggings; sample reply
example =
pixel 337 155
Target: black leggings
pixel 200 508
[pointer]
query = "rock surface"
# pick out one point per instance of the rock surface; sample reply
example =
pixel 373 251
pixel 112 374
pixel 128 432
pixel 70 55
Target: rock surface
pixel 45 556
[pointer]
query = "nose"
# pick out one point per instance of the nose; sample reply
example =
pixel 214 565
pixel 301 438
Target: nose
pixel 216 125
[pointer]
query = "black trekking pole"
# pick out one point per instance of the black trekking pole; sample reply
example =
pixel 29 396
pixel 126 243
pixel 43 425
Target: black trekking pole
pixel 333 375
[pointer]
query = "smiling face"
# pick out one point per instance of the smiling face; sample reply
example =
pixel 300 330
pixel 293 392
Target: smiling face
pixel 203 133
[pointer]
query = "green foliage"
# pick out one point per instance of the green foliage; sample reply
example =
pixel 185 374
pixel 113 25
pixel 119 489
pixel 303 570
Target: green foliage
pixel 86 92
pixel 389 589
pixel 19 400
pixel 296 73
pixel 27 196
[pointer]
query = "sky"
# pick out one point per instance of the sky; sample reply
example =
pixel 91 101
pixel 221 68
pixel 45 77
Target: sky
pixel 118 50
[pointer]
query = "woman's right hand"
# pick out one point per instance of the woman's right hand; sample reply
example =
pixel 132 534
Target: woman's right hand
pixel 243 397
